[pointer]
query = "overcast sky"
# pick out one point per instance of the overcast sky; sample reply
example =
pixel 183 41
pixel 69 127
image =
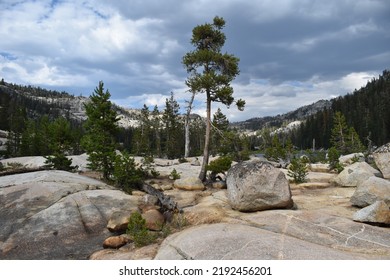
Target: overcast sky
pixel 292 53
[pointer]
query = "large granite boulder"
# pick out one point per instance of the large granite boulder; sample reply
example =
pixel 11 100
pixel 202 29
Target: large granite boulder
pixel 371 190
pixel 154 219
pixel 351 158
pixel 356 173
pixel 189 184
pixel 382 160
pixel 118 221
pixel 377 213
pixel 56 215
pixel 256 186
pixel 115 242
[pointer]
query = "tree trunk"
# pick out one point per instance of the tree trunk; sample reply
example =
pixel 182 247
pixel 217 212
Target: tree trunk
pixel 187 137
pixel 202 174
pixel 167 203
pixel 187 127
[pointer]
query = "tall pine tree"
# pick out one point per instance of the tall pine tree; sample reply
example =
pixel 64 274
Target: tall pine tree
pixel 211 72
pixel 101 129
pixel 173 129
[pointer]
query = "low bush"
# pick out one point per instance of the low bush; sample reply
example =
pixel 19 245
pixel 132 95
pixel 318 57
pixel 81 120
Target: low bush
pixel 148 167
pixel 333 158
pixel 59 162
pixel 298 170
pixel 137 230
pixel 174 174
pixel 219 165
pixel 127 174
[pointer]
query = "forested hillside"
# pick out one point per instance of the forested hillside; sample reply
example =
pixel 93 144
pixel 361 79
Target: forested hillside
pixel 367 110
pixel 34 118
pixel 34 102
pixel 29 113
pixel 301 114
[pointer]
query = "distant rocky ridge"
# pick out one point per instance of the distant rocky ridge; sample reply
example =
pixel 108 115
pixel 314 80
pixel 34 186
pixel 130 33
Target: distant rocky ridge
pixel 299 114
pixel 39 102
pixel 72 107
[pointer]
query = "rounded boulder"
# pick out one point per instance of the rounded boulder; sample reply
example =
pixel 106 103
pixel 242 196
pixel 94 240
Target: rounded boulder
pixel 257 186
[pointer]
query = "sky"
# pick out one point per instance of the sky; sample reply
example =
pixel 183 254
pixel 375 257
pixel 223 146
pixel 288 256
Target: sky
pixel 292 52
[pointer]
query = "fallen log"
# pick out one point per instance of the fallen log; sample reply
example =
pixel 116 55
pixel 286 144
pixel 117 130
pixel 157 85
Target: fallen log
pixel 20 171
pixel 166 202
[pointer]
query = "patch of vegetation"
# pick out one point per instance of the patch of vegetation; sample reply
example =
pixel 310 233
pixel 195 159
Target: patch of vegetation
pixel 14 165
pixel 174 174
pixel 127 174
pixel 59 162
pixel 219 165
pixel 316 156
pixel 355 158
pixel 333 157
pixel 298 170
pixel 276 151
pixel 148 168
pixel 179 221
pixel 176 223
pixel 136 228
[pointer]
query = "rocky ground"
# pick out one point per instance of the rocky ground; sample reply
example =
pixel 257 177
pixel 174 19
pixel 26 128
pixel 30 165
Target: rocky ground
pixel 61 215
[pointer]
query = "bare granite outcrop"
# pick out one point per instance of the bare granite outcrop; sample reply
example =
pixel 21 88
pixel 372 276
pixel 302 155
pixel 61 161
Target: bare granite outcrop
pixel 62 215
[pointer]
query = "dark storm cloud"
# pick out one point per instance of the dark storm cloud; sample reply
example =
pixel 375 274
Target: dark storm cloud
pixel 291 52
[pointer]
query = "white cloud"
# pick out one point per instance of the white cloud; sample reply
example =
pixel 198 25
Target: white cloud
pixel 264 99
pixel 136 48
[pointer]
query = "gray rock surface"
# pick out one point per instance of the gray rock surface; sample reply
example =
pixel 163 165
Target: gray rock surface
pixel 319 167
pixel 356 173
pixel 60 215
pixel 56 215
pixel 382 160
pixel 118 221
pixel 224 241
pixel 371 190
pixel 349 159
pixel 377 213
pixel 256 186
pixel 38 161
pixel 189 184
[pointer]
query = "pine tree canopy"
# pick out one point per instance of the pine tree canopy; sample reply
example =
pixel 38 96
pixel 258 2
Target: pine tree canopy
pixel 101 129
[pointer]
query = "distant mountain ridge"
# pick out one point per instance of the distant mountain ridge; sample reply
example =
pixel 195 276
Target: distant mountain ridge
pixel 38 102
pixel 299 114
pixel 366 109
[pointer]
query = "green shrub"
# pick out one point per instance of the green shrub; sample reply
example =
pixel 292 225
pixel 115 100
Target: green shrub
pixel 355 158
pixel 333 157
pixel 127 174
pixel 174 175
pixel 148 168
pixel 137 230
pixel 219 165
pixel 298 170
pixel 316 156
pixel 60 162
